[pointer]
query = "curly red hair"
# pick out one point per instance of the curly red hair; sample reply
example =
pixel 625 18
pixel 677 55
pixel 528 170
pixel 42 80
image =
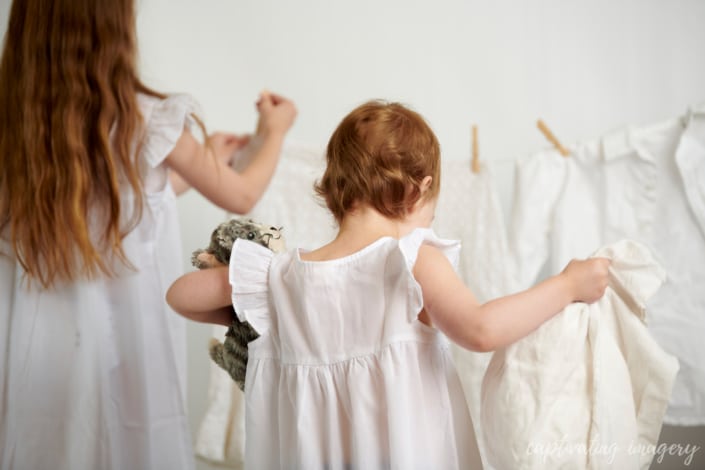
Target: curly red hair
pixel 378 156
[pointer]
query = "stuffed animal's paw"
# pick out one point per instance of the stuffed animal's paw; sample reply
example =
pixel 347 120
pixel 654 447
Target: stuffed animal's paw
pixel 232 354
pixel 203 259
pixel 232 364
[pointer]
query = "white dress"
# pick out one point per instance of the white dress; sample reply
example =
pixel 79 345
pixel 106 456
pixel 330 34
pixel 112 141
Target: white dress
pixel 344 375
pixel 589 388
pixel 93 372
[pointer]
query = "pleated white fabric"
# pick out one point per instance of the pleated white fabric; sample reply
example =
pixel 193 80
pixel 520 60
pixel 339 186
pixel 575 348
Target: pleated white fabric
pixel 94 372
pixel 344 375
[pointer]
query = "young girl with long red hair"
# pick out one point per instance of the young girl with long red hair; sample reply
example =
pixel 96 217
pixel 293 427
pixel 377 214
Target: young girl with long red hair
pixel 92 361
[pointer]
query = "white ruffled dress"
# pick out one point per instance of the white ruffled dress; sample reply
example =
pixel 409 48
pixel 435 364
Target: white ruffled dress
pixel 344 375
pixel 93 373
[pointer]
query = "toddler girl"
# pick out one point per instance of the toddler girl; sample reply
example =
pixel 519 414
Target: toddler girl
pixel 352 368
pixel 92 360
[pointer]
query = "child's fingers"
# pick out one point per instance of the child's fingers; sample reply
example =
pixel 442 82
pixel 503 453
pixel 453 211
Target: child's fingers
pixel 276 99
pixel 244 139
pixel 264 105
pixel 264 97
pixel 273 98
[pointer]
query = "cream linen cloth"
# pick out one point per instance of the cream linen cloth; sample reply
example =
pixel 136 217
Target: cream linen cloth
pixel 643 183
pixel 589 388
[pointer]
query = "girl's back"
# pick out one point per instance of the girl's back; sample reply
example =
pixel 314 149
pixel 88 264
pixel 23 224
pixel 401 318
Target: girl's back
pixel 344 371
pixel 95 369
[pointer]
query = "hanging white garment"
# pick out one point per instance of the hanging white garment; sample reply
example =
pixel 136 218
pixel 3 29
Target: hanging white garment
pixel 221 434
pixel 646 184
pixel 94 372
pixel 468 210
pixel 344 375
pixel 589 388
pixel 289 202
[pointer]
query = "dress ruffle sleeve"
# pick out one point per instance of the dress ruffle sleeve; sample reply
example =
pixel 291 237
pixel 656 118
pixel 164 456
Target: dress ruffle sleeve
pixel 165 124
pixel 249 279
pixel 409 246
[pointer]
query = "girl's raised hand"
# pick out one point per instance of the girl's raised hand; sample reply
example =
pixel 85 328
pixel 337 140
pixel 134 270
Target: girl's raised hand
pixel 276 114
pixel 587 279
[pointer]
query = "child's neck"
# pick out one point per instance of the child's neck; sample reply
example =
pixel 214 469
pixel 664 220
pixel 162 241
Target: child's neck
pixel 366 224
pixel 359 229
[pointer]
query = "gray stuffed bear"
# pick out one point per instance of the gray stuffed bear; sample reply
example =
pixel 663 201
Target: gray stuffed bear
pixel 231 355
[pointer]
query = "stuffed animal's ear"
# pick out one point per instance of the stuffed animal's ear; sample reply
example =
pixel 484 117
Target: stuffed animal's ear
pixel 205 260
pixel 272 238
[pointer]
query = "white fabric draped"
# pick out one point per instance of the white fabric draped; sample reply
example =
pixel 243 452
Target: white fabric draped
pixel 589 388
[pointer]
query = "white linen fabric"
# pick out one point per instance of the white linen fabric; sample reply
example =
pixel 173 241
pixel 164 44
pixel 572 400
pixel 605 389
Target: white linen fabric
pixel 468 210
pixel 344 375
pixel 221 434
pixel 589 388
pixel 290 203
pixel 93 372
pixel 645 184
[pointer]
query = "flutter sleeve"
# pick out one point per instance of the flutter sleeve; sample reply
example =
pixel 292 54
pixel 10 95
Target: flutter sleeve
pixel 409 246
pixel 165 121
pixel 249 279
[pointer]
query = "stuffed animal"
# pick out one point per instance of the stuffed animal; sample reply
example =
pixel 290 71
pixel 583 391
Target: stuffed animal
pixel 231 355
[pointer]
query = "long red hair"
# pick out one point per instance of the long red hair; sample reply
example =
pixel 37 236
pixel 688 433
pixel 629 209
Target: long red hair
pixel 69 121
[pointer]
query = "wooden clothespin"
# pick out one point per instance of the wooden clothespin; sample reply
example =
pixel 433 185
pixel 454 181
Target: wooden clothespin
pixel 475 163
pixel 552 138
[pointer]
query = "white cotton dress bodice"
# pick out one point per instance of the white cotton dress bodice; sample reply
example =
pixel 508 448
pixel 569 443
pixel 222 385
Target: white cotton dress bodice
pixel 344 375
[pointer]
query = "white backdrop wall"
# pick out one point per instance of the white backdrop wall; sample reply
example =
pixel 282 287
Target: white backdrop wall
pixel 584 67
